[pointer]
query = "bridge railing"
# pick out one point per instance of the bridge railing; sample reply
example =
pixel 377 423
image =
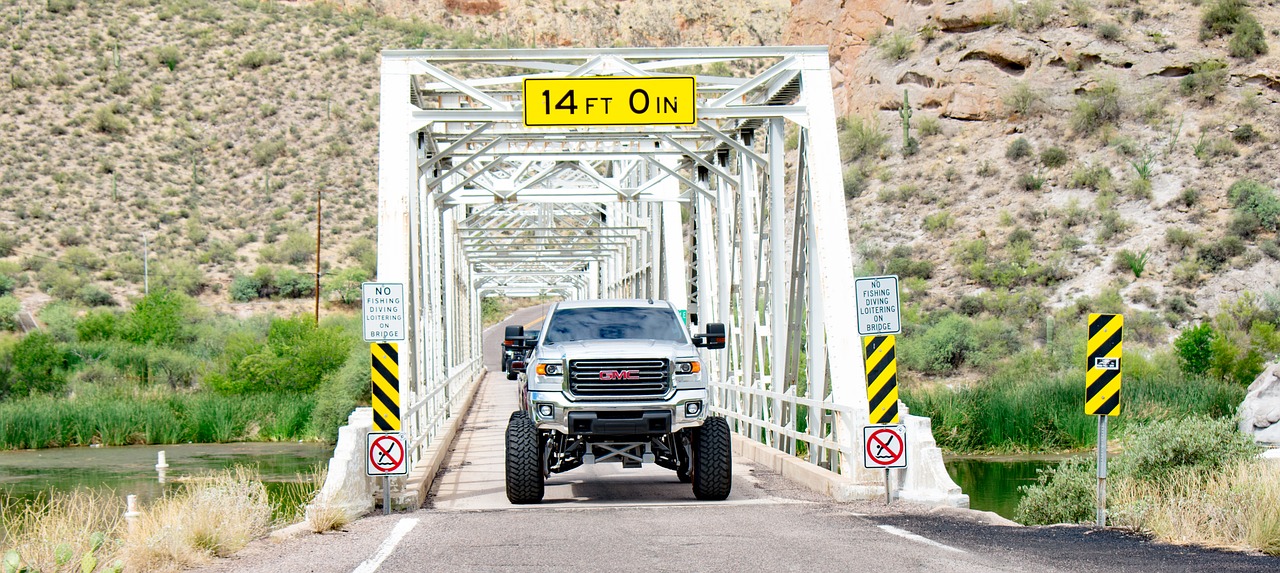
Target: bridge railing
pixel 775 418
pixel 441 402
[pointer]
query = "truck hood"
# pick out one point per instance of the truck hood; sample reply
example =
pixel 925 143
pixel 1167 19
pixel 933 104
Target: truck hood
pixel 630 348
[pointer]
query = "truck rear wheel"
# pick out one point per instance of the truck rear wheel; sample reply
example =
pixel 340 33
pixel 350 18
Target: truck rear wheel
pixel 712 460
pixel 524 461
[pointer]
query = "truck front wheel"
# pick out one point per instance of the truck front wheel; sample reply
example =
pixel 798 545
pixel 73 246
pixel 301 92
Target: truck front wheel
pixel 524 461
pixel 712 460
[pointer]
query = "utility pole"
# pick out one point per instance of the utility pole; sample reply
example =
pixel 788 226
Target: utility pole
pixel 318 212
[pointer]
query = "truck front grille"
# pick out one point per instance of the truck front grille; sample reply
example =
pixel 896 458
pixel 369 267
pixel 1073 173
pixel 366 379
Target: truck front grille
pixel 636 379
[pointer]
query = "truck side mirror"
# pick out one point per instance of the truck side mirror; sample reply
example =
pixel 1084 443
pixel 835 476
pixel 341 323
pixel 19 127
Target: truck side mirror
pixel 714 339
pixel 514 337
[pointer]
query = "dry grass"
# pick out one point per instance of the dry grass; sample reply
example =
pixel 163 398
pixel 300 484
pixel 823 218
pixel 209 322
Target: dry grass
pixel 212 517
pixel 63 532
pixel 324 517
pixel 1238 508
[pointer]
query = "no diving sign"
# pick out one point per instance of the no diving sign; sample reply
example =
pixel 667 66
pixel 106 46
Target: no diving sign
pixel 386 455
pixel 884 447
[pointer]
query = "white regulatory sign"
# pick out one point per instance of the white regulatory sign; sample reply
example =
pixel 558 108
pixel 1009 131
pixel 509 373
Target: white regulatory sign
pixel 877 301
pixel 386 455
pixel 383 305
pixel 884 447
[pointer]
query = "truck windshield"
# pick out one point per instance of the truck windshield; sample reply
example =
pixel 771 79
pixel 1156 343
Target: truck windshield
pixel 611 323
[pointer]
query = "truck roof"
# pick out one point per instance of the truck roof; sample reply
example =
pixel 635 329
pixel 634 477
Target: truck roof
pixel 612 302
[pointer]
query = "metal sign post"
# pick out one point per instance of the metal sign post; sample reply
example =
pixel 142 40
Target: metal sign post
pixel 1102 388
pixel 884 446
pixel 1102 471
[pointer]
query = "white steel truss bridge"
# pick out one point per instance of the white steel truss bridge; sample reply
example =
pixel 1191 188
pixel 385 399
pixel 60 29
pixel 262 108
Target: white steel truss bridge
pixel 739 218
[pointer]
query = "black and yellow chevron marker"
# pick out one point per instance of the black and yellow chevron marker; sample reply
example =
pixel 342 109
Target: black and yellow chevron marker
pixel 1102 371
pixel 386 386
pixel 882 378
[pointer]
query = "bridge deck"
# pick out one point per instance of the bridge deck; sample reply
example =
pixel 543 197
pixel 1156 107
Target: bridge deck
pixel 473 478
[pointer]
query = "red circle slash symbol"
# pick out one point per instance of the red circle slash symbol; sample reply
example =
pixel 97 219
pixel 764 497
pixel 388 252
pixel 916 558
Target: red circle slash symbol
pixel 386 454
pixel 886 447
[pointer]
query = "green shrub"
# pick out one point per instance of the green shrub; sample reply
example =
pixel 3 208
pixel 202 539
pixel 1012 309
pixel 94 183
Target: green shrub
pixel 929 126
pixel 938 222
pixel 180 275
pixel 1194 348
pixel 7 284
pixel 1065 493
pixel 98 325
pixel 169 57
pixel 109 121
pixel 297 248
pixel 1096 177
pixel 1030 182
pixel 1135 262
pixel 295 357
pixel 1271 249
pixel 94 295
pixel 1157 449
pixel 244 288
pixel 9 308
pixel 1018 149
pixel 1023 99
pixel 1244 225
pixel 344 285
pixel 1254 198
pixel 255 59
pixel 1221 18
pixel 861 138
pixel 162 317
pixel 1097 108
pixel 365 252
pixel 265 153
pixel 1110 31
pixel 1030 16
pixel 1248 41
pixel 1245 134
pixel 1235 363
pixel 339 393
pixel 855 181
pixel 1206 80
pixel 1215 255
pixel 37 366
pixel 897 46
pixel 1053 157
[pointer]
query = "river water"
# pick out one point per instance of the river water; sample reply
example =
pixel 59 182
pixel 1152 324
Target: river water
pixel 992 482
pixel 131 469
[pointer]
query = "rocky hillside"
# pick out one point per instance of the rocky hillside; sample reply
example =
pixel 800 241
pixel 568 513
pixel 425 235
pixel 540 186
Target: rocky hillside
pixel 1064 149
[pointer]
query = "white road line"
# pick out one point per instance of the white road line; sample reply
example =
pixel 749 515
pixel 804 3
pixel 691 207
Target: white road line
pixel 918 538
pixel 384 551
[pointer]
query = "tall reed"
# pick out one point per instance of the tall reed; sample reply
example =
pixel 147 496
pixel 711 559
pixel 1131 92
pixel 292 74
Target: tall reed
pixel 165 418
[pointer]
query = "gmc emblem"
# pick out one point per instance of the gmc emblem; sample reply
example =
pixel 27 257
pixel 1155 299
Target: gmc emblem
pixel 619 374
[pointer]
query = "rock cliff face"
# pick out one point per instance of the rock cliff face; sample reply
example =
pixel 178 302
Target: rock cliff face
pixel 985 73
pixel 1260 412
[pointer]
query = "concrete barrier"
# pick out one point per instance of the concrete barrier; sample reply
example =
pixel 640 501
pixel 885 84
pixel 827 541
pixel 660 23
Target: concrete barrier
pixel 346 487
pixel 925 480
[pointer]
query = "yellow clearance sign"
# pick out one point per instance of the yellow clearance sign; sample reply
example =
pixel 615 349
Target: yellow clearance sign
pixel 609 100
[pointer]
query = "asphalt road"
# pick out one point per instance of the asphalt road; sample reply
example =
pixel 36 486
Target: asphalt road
pixel 605 518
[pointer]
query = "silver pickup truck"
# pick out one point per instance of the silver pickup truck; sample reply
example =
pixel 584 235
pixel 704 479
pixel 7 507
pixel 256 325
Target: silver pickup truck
pixel 616 381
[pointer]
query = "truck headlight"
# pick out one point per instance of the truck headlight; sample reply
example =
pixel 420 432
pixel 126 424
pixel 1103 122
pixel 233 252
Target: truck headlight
pixel 690 367
pixel 549 369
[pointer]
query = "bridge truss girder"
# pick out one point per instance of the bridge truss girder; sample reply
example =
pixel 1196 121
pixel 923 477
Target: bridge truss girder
pixel 710 216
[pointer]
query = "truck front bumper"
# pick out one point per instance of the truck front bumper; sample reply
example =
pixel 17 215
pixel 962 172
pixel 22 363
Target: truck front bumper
pixel 554 411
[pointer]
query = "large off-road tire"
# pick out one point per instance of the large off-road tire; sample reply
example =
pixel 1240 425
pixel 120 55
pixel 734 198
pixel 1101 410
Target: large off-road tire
pixel 511 375
pixel 524 461
pixel 712 460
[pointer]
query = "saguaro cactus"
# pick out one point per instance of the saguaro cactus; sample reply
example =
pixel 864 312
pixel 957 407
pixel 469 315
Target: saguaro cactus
pixel 909 144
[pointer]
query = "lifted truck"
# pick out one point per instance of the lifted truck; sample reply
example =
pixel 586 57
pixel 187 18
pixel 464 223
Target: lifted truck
pixel 616 381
